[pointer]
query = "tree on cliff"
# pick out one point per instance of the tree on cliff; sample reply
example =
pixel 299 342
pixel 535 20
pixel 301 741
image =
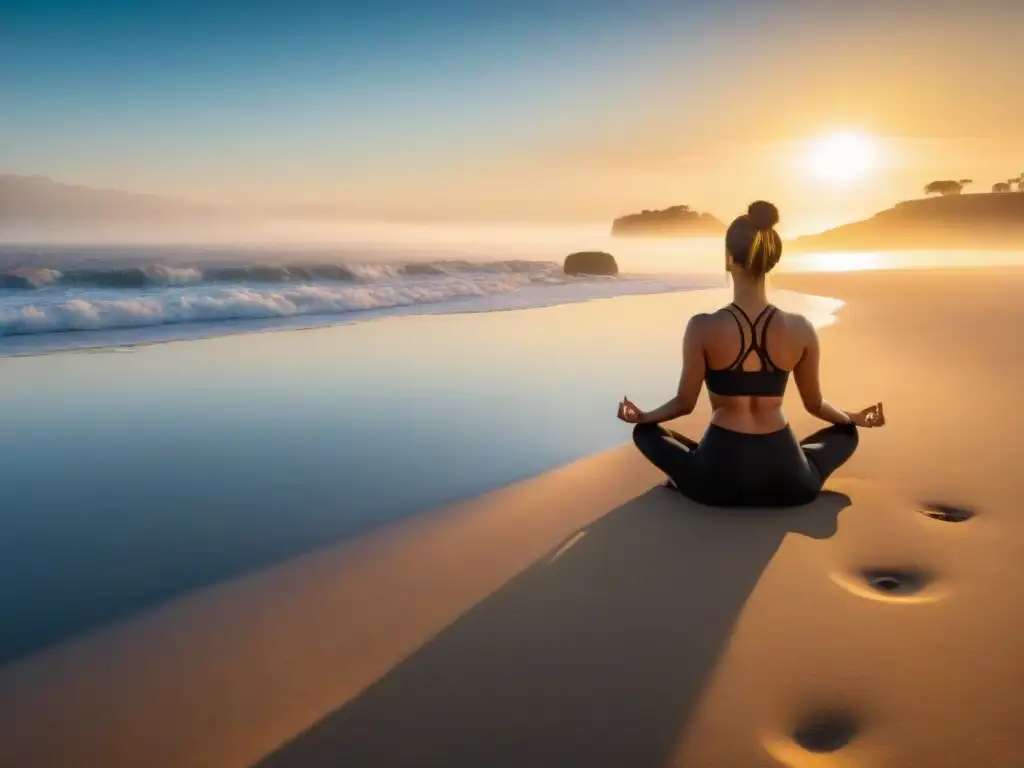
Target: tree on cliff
pixel 946 187
pixel 1002 186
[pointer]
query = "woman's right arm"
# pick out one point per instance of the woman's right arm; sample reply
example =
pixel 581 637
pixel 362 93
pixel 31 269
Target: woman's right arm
pixel 806 375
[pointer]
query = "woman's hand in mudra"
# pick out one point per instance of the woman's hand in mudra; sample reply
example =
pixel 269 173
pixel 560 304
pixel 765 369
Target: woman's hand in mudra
pixel 872 416
pixel 629 413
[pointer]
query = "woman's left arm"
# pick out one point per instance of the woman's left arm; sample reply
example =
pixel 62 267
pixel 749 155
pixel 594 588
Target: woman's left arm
pixel 691 380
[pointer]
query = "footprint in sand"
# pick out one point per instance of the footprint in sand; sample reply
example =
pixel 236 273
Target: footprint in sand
pixel 825 731
pixel 820 732
pixel 893 584
pixel 946 513
pixel 896 581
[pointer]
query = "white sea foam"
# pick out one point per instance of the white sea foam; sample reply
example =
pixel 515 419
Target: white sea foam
pixel 67 310
pixel 44 308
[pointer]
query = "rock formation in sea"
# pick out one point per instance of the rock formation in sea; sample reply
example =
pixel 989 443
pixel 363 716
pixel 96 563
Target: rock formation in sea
pixel 590 263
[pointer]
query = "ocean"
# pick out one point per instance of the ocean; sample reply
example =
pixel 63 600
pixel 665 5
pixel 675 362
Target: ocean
pixel 72 297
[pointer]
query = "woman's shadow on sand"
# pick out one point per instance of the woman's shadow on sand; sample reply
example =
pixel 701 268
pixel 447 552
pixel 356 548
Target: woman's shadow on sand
pixel 595 655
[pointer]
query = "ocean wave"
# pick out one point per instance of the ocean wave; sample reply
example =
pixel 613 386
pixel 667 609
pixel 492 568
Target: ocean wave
pixel 160 275
pixel 102 310
pixel 104 301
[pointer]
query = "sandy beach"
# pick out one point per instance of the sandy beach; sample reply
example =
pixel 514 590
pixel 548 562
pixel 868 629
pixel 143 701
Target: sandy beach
pixel 588 617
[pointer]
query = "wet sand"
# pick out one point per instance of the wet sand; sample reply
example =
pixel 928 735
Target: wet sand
pixel 586 617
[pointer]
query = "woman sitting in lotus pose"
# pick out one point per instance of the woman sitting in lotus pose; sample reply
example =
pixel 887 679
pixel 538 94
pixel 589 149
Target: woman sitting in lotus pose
pixel 745 352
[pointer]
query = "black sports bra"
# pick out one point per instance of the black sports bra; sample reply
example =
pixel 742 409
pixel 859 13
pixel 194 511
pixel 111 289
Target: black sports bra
pixel 769 381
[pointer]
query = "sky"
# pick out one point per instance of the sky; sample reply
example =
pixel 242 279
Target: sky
pixel 536 110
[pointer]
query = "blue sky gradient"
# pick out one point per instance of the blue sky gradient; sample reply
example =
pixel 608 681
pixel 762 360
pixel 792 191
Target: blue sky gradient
pixel 274 102
pixel 235 77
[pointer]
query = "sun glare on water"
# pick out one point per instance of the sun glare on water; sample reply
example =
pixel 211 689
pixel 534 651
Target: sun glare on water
pixel 841 158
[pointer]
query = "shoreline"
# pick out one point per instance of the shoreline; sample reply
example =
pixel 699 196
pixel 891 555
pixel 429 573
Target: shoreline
pixel 296 323
pixel 525 296
pixel 203 330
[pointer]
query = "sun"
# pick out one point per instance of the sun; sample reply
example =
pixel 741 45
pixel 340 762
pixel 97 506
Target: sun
pixel 842 158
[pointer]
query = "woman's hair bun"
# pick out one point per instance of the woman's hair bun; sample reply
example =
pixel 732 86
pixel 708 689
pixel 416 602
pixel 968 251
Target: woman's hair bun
pixel 763 215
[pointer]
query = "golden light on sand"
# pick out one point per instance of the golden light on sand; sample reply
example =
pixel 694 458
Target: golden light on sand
pixel 843 157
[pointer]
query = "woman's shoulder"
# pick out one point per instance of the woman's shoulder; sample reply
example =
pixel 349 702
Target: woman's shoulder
pixel 713 316
pixel 794 323
pixel 702 321
pixel 794 318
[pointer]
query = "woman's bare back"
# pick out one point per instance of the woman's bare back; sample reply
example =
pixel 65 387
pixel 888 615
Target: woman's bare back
pixel 784 342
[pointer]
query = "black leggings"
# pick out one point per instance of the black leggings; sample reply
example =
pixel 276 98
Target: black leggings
pixel 737 469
